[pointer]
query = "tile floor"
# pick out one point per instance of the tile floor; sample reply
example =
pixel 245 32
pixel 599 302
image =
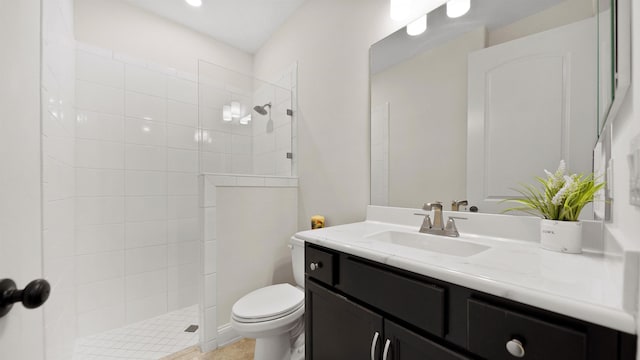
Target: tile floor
pixel 150 339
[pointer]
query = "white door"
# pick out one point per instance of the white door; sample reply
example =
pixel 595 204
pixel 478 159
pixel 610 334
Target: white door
pixel 532 102
pixel 21 331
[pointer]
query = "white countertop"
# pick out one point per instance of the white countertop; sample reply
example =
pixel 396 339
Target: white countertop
pixel 587 286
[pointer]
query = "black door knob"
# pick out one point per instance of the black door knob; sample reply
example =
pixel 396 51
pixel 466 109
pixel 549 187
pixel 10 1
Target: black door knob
pixel 33 295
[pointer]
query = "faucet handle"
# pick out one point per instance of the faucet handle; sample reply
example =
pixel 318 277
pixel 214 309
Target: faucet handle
pixel 426 224
pixel 451 228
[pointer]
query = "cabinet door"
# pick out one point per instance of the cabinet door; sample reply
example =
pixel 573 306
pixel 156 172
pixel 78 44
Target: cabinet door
pixel 407 345
pixel 337 328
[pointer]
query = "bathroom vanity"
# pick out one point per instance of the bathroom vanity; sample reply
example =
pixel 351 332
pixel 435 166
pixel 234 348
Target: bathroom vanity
pixel 380 290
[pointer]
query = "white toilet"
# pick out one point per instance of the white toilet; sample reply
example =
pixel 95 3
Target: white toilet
pixel 274 315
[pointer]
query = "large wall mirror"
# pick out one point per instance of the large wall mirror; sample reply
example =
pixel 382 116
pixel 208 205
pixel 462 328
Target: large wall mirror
pixel 478 104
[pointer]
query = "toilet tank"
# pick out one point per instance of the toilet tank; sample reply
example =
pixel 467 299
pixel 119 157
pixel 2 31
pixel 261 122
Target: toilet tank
pixel 297 260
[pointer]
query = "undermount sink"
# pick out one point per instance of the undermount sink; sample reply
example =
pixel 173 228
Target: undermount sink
pixel 427 242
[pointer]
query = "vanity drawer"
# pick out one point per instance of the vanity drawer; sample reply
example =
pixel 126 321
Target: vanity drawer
pixel 415 302
pixel 491 328
pixel 320 264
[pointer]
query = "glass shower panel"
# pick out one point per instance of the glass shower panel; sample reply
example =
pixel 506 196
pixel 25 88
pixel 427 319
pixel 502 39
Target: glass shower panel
pixel 245 123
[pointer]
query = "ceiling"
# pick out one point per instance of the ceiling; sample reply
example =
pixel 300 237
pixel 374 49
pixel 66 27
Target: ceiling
pixel 244 24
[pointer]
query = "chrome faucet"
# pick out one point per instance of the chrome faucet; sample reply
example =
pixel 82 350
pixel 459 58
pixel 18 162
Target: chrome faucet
pixel 455 205
pixel 437 214
pixel 437 227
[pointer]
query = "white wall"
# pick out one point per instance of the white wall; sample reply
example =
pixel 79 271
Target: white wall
pixel 21 331
pixel 426 118
pixel 566 12
pixel 121 27
pixel 58 182
pixel 254 225
pixel 330 40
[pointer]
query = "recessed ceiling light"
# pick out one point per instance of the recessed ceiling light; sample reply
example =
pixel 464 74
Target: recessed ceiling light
pixel 195 3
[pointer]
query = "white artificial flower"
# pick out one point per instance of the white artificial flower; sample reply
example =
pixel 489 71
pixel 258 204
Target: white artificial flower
pixel 568 188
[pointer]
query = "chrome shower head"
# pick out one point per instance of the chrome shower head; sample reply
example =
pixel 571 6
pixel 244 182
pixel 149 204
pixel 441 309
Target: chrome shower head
pixel 262 110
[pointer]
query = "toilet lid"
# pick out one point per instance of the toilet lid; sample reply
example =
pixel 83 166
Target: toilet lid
pixel 268 303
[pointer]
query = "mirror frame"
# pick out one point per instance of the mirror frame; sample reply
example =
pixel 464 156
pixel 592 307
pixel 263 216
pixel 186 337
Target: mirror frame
pixel 621 27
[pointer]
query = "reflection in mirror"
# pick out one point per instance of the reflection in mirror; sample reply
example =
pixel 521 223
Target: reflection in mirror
pixel 476 105
pixel 614 57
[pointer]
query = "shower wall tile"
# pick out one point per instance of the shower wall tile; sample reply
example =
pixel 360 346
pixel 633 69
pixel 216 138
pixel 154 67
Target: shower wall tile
pixel 183 277
pixel 147 233
pixel 136 165
pixel 146 208
pixel 182 90
pixel 182 137
pixel 145 183
pixel 99 98
pixel 141 157
pixel 140 260
pixel 100 238
pixel 182 207
pixel 182 160
pixel 101 319
pixel 184 253
pixel 147 107
pixel 100 294
pixel 145 132
pixel 183 230
pixel 182 183
pixel 98 267
pixel 182 113
pixel 99 210
pixel 98 126
pixel 99 182
pixel 146 308
pixel 140 286
pixel 99 69
pixel 145 81
pixel 99 154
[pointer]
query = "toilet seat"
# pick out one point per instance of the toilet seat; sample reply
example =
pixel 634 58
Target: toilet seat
pixel 268 303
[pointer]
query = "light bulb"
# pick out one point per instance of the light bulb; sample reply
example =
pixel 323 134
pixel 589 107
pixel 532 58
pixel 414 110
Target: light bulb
pixel 226 113
pixel 417 27
pixel 235 109
pixel 194 3
pixel 457 8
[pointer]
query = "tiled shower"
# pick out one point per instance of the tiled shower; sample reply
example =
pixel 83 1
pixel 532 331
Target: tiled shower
pixel 124 141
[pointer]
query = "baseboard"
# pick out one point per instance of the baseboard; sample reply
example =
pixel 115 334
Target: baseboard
pixel 226 335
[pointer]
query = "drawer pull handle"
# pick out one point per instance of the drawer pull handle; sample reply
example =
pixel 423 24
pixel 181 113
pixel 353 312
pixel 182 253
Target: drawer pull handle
pixel 386 349
pixel 515 348
pixel 374 344
pixel 315 266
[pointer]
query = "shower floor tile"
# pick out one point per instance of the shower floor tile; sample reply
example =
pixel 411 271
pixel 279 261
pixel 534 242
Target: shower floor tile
pixel 150 339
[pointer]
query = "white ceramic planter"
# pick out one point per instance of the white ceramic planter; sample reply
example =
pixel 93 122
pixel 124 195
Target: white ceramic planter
pixel 561 236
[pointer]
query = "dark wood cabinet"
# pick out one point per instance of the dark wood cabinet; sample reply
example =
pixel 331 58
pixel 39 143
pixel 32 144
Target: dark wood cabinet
pixel 341 329
pixel 355 308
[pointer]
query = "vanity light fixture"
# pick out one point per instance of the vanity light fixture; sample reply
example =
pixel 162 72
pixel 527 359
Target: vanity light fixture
pixel 418 26
pixel 226 113
pixel 235 109
pixel 194 3
pixel 457 8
